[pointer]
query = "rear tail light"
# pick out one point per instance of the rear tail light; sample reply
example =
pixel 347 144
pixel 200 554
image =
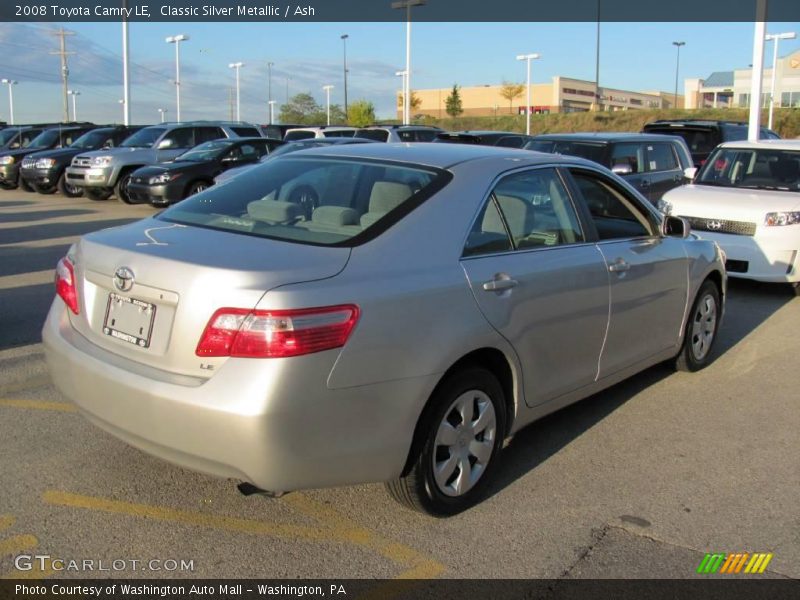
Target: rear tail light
pixel 65 283
pixel 276 333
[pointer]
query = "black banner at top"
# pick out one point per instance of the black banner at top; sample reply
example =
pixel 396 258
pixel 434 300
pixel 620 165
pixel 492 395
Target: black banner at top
pixel 395 10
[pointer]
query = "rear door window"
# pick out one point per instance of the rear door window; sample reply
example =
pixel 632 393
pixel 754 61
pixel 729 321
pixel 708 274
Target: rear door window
pixel 630 154
pixel 246 131
pixel 661 157
pixel 206 134
pixel 182 137
pixel 510 141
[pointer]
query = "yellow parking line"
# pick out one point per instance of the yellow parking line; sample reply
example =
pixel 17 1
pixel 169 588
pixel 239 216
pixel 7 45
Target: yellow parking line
pixel 160 513
pixel 6 521
pixel 16 544
pixel 39 405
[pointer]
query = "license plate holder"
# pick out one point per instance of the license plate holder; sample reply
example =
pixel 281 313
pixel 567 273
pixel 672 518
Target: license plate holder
pixel 129 320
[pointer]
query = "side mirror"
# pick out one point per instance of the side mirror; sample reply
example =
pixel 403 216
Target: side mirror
pixel 675 227
pixel 690 172
pixel 622 169
pixel 163 144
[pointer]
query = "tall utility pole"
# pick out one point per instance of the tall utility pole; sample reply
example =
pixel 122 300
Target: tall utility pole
pixel 344 37
pixel 677 69
pixel 528 58
pixel 407 4
pixel 756 80
pixel 597 63
pixel 269 92
pixel 236 66
pixel 177 39
pixel 62 52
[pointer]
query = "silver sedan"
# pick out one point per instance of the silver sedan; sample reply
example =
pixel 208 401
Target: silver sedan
pixel 398 324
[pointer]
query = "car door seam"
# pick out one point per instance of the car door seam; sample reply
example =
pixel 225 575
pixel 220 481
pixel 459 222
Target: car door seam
pixel 608 317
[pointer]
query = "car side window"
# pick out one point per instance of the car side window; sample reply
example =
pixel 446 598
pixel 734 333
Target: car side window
pixel 183 137
pixel 614 213
pixel 533 208
pixel 629 154
pixel 206 134
pixel 426 136
pixel 406 136
pixel 661 157
pixel 510 141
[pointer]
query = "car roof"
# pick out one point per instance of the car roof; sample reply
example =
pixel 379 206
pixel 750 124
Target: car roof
pixel 607 136
pixel 482 133
pixel 441 156
pixel 764 144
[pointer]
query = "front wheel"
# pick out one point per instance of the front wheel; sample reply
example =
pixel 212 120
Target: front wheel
pixel 67 189
pixel 42 188
pixel 94 193
pixel 460 439
pixel 122 188
pixel 701 330
pixel 24 185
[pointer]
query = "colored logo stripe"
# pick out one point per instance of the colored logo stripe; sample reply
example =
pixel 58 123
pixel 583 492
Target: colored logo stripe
pixel 734 562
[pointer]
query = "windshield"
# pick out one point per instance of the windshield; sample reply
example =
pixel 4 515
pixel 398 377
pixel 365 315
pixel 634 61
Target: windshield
pixel 594 152
pixel 144 138
pixel 7 135
pixel 46 139
pixel 309 199
pixel 207 151
pixel 768 169
pixel 91 140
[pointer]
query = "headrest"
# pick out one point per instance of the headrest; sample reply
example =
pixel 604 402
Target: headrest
pixel 274 211
pixel 336 216
pixel 387 195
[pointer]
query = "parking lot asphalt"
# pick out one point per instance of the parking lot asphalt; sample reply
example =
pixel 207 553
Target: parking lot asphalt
pixel 638 481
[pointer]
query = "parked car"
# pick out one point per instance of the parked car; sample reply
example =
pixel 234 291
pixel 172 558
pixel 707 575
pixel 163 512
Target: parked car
pixel 106 172
pixel 746 198
pixel 505 139
pixel 702 135
pixel 439 298
pixel 52 137
pixel 653 164
pixel 399 133
pixel 307 133
pixel 14 137
pixel 194 171
pixel 45 171
pixel 277 130
pixel 290 147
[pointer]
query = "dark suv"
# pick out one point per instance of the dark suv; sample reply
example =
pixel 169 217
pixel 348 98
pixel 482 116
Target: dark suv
pixel 50 137
pixel 45 171
pixel 653 164
pixel 702 136
pixel 505 139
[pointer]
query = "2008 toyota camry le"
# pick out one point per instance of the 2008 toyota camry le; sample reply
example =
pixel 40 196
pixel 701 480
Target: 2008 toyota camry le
pixel 368 313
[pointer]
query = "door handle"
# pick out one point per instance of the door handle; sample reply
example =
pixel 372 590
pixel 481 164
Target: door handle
pixel 620 266
pixel 645 183
pixel 500 283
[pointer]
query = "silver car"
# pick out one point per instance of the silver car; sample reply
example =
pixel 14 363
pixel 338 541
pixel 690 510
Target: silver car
pixel 436 299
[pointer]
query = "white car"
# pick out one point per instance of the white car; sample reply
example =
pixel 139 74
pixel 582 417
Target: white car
pixel 746 198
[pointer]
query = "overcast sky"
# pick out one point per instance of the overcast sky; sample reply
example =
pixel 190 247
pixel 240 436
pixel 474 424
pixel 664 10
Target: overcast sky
pixel 635 56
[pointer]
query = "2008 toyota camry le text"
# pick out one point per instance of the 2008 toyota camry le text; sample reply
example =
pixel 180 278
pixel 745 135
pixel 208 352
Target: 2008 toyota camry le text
pixel 376 312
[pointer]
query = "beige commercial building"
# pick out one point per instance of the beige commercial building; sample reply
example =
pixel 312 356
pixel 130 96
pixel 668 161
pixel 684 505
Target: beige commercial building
pixel 563 94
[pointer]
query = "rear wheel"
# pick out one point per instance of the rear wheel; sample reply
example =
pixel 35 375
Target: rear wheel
pixel 97 193
pixel 122 188
pixel 67 189
pixel 24 185
pixel 796 288
pixel 196 187
pixel 701 330
pixel 460 439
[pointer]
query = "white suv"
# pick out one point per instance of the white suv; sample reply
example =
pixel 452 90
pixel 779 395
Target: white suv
pixel 306 133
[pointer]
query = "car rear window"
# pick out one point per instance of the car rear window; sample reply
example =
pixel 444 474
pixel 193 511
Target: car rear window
pixel 312 200
pixel 246 131
pixel 379 135
pixel 299 134
pixel 594 152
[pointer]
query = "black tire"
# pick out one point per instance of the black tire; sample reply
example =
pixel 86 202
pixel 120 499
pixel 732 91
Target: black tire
pixel 68 190
pixel 419 489
pixel 7 185
pixel 44 189
pixel 701 329
pixel 121 189
pixel 24 185
pixel 97 194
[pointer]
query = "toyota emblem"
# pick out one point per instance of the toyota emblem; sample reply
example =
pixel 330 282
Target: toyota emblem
pixel 123 279
pixel 714 225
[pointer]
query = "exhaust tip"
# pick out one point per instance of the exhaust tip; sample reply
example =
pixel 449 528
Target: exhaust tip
pixel 248 489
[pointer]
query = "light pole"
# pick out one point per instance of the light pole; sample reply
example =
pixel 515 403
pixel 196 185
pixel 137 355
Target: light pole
pixel 344 37
pixel 528 58
pixel 328 89
pixel 10 83
pixel 775 37
pixel 74 94
pixel 124 105
pixel 177 39
pixel 272 104
pixel 236 66
pixel 407 4
pixel 269 89
pixel 402 75
pixel 162 112
pixel 677 68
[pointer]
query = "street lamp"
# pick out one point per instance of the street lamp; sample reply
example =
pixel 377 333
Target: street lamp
pixel 162 112
pixel 328 89
pixel 74 94
pixel 402 74
pixel 123 104
pixel 236 66
pixel 9 83
pixel 528 58
pixel 775 37
pixel 677 68
pixel 272 104
pixel 177 39
pixel 344 37
pixel 407 4
pixel 269 92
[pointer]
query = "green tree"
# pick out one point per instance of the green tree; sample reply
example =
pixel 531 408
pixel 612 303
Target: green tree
pixel 302 109
pixel 416 101
pixel 509 91
pixel 453 103
pixel 360 113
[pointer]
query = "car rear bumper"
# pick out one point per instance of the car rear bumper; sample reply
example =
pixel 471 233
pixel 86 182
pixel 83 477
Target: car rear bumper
pixel 772 256
pixel 273 422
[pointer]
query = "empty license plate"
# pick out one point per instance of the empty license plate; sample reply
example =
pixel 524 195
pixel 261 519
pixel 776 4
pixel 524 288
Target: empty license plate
pixel 129 320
